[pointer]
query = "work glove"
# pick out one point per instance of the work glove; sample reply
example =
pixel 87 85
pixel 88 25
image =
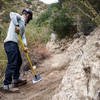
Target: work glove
pixel 17 29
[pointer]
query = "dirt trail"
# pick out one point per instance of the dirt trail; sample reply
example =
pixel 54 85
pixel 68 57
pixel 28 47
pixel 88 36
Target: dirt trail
pixel 42 90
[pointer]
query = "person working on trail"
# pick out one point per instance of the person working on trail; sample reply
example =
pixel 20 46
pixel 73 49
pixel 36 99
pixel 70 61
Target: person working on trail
pixel 17 26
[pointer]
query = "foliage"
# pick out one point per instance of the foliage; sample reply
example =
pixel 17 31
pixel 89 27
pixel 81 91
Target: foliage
pixel 34 7
pixel 42 18
pixel 46 38
pixel 36 35
pixel 2 34
pixel 95 4
pixel 88 27
pixel 61 24
pixel 5 3
pixel 29 2
pixel 5 16
pixel 85 10
pixel 3 62
pixel 91 15
pixel 55 17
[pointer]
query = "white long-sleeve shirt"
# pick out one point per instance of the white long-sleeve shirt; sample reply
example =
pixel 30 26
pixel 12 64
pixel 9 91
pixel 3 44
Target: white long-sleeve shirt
pixel 16 19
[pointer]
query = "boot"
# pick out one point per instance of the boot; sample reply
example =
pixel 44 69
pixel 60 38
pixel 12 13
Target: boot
pixel 9 88
pixel 19 82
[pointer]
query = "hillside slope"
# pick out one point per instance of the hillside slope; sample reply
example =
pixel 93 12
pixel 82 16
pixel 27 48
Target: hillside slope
pixel 82 78
pixel 17 6
pixel 70 75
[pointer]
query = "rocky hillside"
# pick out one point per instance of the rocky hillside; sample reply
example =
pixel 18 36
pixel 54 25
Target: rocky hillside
pixel 36 5
pixel 82 77
pixel 70 72
pixel 7 6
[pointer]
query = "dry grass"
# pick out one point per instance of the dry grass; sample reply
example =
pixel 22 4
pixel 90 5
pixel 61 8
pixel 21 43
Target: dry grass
pixel 3 62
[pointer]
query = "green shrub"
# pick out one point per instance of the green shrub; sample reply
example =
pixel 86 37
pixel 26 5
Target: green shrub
pixel 55 17
pixel 55 5
pixel 46 38
pixel 87 26
pixel 29 2
pixel 42 18
pixel 62 25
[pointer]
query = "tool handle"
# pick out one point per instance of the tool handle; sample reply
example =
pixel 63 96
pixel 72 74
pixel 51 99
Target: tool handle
pixel 27 55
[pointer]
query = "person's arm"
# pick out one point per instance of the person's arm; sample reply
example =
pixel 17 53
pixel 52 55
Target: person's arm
pixel 15 18
pixel 25 43
pixel 24 40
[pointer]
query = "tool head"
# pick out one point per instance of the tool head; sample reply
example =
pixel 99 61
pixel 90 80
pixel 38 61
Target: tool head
pixel 36 79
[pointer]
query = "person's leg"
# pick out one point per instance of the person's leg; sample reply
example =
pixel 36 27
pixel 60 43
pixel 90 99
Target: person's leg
pixel 19 63
pixel 10 49
pixel 16 80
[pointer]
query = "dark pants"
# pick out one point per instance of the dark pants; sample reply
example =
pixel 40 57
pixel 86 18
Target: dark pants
pixel 14 62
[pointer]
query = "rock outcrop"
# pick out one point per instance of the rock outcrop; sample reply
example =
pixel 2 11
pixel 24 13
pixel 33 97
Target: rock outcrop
pixel 82 78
